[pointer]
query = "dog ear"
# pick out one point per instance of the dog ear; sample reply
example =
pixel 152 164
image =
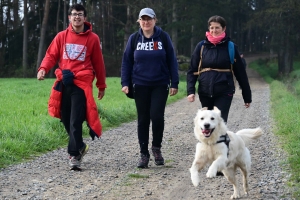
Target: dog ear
pixel 204 108
pixel 217 110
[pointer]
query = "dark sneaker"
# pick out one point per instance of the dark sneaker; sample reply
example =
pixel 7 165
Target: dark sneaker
pixel 143 162
pixel 158 159
pixel 83 151
pixel 74 161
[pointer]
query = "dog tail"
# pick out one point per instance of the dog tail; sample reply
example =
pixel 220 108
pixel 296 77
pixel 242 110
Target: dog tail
pixel 249 135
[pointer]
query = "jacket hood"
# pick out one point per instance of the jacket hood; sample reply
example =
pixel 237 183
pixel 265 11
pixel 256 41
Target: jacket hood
pixel 156 34
pixel 86 31
pixel 87 28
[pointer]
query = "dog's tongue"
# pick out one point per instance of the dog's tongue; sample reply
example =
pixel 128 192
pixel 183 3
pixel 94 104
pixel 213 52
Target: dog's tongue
pixel 206 131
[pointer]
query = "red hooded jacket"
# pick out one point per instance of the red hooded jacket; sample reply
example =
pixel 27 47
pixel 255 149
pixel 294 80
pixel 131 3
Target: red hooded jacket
pixel 81 53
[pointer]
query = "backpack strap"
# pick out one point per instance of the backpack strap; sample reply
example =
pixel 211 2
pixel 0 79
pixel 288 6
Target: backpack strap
pixel 231 51
pixel 231 56
pixel 200 62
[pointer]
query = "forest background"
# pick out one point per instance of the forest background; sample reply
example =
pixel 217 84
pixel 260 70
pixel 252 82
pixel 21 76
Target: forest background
pixel 28 27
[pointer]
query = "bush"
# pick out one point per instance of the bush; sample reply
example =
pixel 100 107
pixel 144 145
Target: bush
pixel 184 66
pixel 182 59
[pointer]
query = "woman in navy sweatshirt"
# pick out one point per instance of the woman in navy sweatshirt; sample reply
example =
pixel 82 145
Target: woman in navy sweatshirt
pixel 149 64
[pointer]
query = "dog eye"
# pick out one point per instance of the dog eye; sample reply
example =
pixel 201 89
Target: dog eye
pixel 201 118
pixel 212 118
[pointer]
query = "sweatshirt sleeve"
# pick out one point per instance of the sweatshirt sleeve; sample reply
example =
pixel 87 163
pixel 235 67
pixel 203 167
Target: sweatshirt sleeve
pixel 127 63
pixel 98 64
pixel 172 64
pixel 241 76
pixel 191 78
pixel 52 54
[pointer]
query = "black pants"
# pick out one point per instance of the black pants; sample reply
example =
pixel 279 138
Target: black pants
pixel 222 102
pixel 73 114
pixel 150 103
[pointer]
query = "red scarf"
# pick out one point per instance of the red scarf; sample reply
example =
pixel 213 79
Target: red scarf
pixel 215 40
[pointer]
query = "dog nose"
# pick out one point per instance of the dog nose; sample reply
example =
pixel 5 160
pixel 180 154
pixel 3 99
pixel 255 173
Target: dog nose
pixel 206 126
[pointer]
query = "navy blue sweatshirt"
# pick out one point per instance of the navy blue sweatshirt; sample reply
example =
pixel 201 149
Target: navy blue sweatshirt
pixel 150 63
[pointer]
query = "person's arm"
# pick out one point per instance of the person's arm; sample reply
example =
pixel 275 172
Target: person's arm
pixel 127 63
pixel 52 55
pixel 172 65
pixel 242 78
pixel 191 79
pixel 99 67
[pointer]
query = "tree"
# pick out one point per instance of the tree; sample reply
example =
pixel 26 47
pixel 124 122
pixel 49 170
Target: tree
pixel 264 25
pixel 65 14
pixel 282 29
pixel 174 29
pixel 43 32
pixel 25 39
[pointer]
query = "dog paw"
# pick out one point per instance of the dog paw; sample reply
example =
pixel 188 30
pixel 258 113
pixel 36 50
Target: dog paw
pixel 211 173
pixel 235 196
pixel 195 179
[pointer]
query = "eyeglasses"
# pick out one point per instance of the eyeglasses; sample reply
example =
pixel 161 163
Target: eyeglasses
pixel 76 14
pixel 146 19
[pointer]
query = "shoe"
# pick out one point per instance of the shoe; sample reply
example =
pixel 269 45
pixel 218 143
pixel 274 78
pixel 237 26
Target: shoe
pixel 83 151
pixel 158 159
pixel 74 161
pixel 143 162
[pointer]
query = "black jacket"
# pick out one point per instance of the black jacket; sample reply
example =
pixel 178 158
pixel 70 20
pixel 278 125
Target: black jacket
pixel 213 83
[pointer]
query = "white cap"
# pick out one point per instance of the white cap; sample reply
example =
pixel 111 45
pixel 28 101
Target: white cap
pixel 148 12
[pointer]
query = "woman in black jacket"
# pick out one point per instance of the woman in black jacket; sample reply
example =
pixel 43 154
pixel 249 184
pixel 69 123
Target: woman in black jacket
pixel 215 73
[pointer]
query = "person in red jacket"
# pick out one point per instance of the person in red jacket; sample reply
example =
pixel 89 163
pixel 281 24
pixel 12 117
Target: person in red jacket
pixel 78 53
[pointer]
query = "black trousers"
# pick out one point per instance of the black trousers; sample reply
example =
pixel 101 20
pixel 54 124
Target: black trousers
pixel 222 102
pixel 73 114
pixel 150 103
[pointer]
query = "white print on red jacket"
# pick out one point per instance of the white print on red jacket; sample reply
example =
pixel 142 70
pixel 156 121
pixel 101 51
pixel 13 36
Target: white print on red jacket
pixel 75 51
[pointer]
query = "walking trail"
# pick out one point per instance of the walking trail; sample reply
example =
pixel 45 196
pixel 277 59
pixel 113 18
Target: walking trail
pixel 109 168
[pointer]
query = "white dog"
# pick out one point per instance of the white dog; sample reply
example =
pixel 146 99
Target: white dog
pixel 222 149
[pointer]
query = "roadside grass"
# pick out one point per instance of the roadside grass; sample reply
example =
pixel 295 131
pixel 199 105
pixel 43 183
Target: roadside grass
pixel 27 130
pixel 285 112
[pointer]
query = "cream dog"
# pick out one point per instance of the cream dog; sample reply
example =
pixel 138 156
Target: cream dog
pixel 223 150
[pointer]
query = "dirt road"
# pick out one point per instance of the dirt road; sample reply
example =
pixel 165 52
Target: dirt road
pixel 110 165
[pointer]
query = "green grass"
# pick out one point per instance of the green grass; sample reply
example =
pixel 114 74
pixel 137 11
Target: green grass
pixel 138 176
pixel 26 128
pixel 285 111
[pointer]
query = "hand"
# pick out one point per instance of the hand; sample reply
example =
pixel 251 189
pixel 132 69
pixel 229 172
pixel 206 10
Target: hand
pixel 41 74
pixel 125 89
pixel 191 98
pixel 247 105
pixel 173 91
pixel 101 94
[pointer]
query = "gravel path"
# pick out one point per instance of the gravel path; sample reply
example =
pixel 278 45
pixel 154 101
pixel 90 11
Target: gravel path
pixel 111 161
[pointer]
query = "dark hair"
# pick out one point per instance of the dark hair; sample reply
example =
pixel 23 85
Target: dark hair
pixel 77 7
pixel 217 19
